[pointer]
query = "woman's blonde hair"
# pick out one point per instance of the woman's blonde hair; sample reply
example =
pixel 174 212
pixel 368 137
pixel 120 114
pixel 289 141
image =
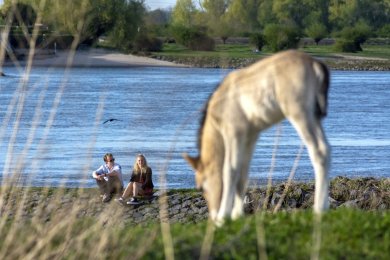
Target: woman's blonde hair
pixel 136 167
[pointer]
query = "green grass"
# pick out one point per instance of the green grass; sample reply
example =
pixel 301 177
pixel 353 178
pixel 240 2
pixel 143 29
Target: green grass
pixel 346 234
pixel 245 51
pixel 221 50
pixel 369 51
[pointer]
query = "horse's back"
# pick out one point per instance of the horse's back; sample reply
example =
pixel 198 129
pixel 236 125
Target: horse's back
pixel 282 85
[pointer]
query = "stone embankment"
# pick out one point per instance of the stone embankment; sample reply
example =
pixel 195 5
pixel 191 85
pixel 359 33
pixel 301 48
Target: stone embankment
pixel 336 63
pixel 184 206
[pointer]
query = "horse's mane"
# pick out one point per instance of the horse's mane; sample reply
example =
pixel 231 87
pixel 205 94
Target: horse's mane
pixel 203 120
pixel 322 99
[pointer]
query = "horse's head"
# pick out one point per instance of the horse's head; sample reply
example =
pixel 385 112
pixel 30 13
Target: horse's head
pixel 208 179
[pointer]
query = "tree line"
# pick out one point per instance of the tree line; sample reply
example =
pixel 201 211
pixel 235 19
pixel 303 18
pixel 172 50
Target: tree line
pixel 276 24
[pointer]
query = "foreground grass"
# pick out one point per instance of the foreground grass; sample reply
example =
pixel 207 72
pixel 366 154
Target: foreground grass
pixel 346 234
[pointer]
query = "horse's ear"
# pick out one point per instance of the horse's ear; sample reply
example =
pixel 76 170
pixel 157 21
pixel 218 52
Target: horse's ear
pixel 193 161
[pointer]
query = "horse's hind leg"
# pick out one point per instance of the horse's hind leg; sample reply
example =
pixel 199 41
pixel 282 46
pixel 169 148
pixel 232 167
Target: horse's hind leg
pixel 312 134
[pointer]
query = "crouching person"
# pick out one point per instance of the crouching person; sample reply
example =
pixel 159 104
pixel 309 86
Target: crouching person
pixel 109 177
pixel 141 183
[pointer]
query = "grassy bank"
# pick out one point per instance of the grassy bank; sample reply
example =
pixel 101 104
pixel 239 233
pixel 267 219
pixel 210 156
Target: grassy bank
pixel 344 234
pixel 246 51
pixel 66 223
pixel 373 57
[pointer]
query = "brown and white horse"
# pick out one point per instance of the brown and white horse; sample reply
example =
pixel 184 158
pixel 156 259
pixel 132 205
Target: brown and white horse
pixel 288 85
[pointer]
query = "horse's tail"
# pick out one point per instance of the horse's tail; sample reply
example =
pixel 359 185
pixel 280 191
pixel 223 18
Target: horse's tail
pixel 323 77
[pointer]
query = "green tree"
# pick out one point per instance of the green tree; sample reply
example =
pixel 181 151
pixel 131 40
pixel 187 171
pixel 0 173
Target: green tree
pixel 215 16
pixel 71 16
pixel 22 16
pixel 317 17
pixel 316 31
pixel 129 22
pixel 215 8
pixel 89 19
pixel 281 37
pixel 184 13
pixel 321 8
pixel 224 29
pixel 104 14
pixel 353 37
pixel 193 37
pixel 243 15
pixel 265 14
pixel 157 22
pixel 343 13
pixel 376 13
pixel 24 13
pixel 384 31
pixel 257 39
pixel 292 11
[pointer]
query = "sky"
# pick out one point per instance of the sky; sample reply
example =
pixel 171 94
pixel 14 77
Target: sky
pixel 162 4
pixel 153 4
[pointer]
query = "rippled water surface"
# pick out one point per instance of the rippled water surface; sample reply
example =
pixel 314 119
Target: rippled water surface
pixel 53 133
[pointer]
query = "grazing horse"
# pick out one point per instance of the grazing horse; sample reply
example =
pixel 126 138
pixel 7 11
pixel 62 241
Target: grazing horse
pixel 288 85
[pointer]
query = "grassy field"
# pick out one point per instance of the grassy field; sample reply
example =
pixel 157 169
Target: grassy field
pixel 369 51
pixel 344 234
pixel 245 51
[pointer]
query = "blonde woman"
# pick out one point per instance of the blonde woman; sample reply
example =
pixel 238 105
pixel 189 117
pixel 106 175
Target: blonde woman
pixel 140 181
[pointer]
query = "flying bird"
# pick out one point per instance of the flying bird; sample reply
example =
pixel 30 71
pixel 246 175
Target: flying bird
pixel 111 119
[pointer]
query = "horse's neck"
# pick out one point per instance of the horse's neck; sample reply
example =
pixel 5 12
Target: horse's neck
pixel 212 143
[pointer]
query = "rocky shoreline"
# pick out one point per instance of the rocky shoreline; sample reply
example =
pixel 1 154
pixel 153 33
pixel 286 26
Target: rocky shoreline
pixel 184 206
pixel 334 63
pixel 96 57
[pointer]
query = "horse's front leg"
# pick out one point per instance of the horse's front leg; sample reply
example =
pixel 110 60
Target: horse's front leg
pixel 249 142
pixel 230 175
pixel 238 152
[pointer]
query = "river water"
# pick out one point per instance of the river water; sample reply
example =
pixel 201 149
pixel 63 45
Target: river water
pixel 52 131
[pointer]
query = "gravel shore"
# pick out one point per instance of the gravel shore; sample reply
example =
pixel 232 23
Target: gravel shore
pixel 96 57
pixel 334 63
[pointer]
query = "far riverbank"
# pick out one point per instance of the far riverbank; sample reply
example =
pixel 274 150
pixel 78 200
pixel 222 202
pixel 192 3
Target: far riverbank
pixel 100 57
pixel 334 63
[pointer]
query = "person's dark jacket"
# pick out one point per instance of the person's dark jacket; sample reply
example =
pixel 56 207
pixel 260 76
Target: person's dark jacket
pixel 145 178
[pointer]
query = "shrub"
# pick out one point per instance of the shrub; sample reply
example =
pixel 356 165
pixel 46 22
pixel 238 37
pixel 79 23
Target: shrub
pixel 146 43
pixel 257 39
pixel 181 34
pixel 281 37
pixel 316 31
pixel 384 31
pixel 201 42
pixel 194 38
pixel 353 37
pixel 343 45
